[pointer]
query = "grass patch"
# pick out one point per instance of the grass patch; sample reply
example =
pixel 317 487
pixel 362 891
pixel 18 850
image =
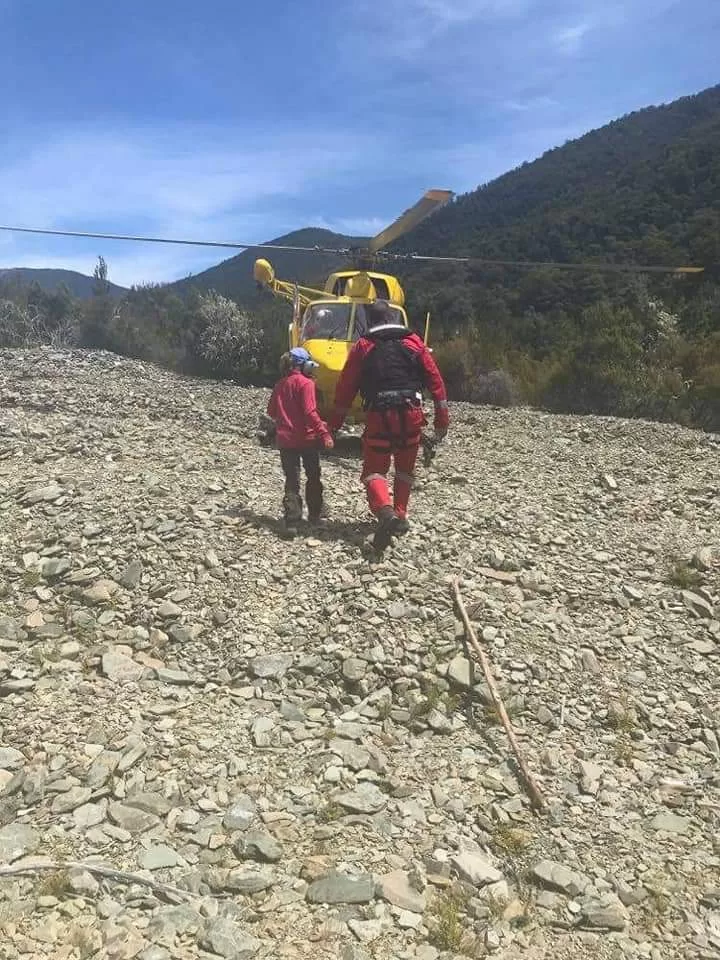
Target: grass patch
pixel 511 840
pixel 55 884
pixel 445 920
pixel 330 812
pixel 681 574
pixel 623 751
pixel 621 715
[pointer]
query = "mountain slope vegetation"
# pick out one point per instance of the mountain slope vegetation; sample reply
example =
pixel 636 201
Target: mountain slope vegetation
pixel 51 280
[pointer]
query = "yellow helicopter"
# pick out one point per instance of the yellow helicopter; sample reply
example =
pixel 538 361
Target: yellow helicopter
pixel 327 322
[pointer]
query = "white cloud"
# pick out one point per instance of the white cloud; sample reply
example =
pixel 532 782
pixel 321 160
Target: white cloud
pixel 412 26
pixel 532 103
pixel 350 226
pixel 183 174
pixel 568 40
pixel 185 183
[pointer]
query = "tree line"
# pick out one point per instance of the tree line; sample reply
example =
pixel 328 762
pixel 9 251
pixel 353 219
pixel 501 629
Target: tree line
pixel 622 352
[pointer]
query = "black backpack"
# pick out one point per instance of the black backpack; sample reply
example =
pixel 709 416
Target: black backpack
pixel 391 368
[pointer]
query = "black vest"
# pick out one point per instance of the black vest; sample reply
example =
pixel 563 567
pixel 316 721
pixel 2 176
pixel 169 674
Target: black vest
pixel 391 369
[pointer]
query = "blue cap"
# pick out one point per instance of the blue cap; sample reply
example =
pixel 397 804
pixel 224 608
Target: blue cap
pixel 300 356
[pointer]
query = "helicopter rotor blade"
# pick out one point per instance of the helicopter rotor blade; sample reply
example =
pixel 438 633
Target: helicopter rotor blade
pixel 410 218
pixel 588 265
pixel 406 221
pixel 192 243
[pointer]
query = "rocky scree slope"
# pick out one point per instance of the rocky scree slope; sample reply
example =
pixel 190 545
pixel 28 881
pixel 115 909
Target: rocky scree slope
pixel 282 731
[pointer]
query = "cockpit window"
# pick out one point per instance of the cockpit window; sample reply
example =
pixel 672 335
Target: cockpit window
pixel 360 325
pixel 330 321
pixel 326 321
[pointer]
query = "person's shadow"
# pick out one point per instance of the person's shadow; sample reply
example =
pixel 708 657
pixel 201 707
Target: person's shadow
pixel 355 532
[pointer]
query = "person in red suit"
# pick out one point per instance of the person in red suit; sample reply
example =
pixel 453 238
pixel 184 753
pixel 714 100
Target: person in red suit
pixel 300 431
pixel 390 366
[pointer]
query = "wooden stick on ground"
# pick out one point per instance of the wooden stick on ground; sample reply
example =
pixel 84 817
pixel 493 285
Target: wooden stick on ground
pixel 120 876
pixel 536 797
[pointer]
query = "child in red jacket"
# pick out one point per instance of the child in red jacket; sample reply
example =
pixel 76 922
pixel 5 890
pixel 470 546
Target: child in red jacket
pixel 299 431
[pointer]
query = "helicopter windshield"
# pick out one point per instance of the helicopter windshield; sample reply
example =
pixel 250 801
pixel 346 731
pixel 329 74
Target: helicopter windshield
pixel 330 321
pixel 360 326
pixel 326 321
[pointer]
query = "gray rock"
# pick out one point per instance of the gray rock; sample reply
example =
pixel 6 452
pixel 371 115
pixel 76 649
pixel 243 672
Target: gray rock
pixel 131 819
pixel 11 759
pixel 590 774
pixel 366 930
pixel 702 559
pixel 365 799
pixel 247 882
pixel 9 629
pixel 169 922
pixel 154 803
pixel 476 868
pixel 603 915
pixel 671 823
pixel 398 610
pixel 89 815
pixel 354 669
pixel 155 952
pixel 102 768
pixel 438 722
pixel 341 888
pixel 271 666
pixel 177 678
pixel 240 815
pixel 699 605
pixel 262 731
pixel 352 756
pixel 396 888
pixel 158 857
pixel 556 876
pixel 16 841
pixel 131 576
pixel 226 939
pixel 257 845
pixel 54 569
pixel 120 668
pixel 83 883
pixel 169 610
pixel 590 662
pixel 459 672
pixel 66 802
pixel 21 685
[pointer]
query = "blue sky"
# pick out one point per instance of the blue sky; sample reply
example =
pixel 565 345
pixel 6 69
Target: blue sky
pixel 243 121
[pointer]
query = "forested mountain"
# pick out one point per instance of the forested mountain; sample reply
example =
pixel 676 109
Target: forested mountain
pixel 234 277
pixel 645 188
pixel 51 280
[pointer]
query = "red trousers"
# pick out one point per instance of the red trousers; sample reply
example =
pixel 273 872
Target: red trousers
pixel 390 437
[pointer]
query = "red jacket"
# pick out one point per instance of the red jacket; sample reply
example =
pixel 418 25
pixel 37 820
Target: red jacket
pixel 349 382
pixel 293 407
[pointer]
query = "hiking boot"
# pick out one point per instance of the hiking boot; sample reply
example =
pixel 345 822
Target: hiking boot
pixel 289 529
pixel 292 508
pixel 387 526
pixel 402 526
pixel 319 519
